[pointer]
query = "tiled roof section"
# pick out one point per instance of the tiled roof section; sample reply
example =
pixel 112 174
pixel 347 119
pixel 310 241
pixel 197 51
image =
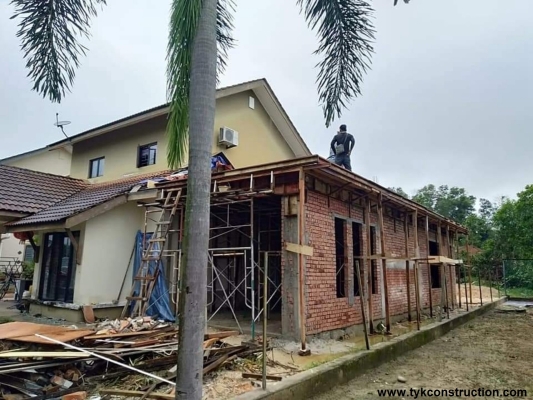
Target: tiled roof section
pixel 26 191
pixel 87 198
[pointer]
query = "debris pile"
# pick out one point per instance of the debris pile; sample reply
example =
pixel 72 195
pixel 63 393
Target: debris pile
pixel 44 362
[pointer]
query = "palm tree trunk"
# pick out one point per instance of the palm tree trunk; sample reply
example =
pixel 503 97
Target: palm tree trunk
pixel 193 295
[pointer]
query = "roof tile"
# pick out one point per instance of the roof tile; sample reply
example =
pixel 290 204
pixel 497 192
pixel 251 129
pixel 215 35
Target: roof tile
pixel 26 191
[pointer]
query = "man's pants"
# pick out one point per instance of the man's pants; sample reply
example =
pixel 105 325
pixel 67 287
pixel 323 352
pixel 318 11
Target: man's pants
pixel 344 161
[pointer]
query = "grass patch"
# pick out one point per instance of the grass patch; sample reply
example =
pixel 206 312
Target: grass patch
pixel 5 320
pixel 520 292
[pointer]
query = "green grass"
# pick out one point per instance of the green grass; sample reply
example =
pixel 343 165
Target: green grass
pixel 5 320
pixel 520 292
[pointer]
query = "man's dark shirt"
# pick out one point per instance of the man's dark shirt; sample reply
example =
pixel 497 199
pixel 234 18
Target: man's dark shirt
pixel 343 138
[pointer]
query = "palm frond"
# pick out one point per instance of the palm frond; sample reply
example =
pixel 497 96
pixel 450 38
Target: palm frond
pixel 345 31
pixel 405 1
pixel 50 31
pixel 225 40
pixel 183 24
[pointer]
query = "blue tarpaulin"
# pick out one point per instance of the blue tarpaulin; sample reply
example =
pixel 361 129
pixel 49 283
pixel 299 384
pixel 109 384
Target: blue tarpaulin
pixel 159 302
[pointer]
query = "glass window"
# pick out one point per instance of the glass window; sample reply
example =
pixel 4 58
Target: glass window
pixel 147 155
pixel 96 167
pixel 58 268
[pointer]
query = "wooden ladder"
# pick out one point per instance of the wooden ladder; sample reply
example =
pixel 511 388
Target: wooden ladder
pixel 167 206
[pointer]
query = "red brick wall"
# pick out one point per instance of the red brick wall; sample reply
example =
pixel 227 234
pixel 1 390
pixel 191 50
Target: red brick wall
pixel 324 310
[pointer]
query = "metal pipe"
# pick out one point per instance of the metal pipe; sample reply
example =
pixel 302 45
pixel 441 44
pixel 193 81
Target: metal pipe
pixel 252 257
pixel 265 295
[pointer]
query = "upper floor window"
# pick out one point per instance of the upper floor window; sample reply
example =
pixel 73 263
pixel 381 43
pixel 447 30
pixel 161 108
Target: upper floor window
pixel 147 155
pixel 96 167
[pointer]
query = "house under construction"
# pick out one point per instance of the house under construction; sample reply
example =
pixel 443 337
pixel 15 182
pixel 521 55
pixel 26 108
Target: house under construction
pixel 312 225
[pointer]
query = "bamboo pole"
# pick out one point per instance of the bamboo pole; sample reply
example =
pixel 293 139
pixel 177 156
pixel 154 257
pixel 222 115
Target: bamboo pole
pixel 362 302
pixel 407 277
pixel 369 263
pixel 417 283
pixel 384 263
pixel 429 270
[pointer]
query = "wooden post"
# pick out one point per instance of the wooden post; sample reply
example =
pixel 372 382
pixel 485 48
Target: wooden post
pixel 450 255
pixel 301 287
pixel 442 271
pixel 446 290
pixel 490 285
pixel 466 291
pixel 417 283
pixel 384 262
pixel 407 278
pixel 479 284
pixel 458 276
pixel 429 269
pixel 469 269
pixel 362 302
pixel 369 262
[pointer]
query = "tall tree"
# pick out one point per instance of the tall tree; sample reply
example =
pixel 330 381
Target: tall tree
pixel 452 202
pixel 50 31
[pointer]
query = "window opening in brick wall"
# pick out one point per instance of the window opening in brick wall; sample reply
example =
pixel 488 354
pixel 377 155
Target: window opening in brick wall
pixel 433 248
pixel 435 276
pixel 374 263
pixel 340 255
pixel 357 253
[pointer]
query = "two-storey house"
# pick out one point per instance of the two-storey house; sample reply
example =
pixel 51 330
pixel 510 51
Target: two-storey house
pixel 87 238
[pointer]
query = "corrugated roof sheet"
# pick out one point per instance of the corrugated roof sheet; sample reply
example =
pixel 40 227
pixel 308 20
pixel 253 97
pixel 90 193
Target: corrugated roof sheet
pixel 28 192
pixel 85 199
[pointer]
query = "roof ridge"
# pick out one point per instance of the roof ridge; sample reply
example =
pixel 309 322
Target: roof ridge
pixel 44 173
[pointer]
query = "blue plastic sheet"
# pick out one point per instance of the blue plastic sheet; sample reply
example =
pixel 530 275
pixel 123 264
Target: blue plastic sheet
pixel 159 302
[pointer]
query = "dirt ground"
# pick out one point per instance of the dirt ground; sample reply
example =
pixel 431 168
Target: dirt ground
pixel 494 351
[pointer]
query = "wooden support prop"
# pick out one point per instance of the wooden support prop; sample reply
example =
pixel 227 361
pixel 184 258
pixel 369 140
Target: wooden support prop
pixel 299 249
pixel 469 269
pixel 369 264
pixel 384 263
pixel 301 288
pixel 417 283
pixel 450 255
pixel 77 248
pixel 442 293
pixel 407 277
pixel 466 291
pixel 490 285
pixel 362 301
pixel 479 284
pixel 446 291
pixel 458 274
pixel 429 270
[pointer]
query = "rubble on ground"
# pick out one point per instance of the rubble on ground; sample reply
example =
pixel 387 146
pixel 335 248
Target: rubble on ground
pixel 116 357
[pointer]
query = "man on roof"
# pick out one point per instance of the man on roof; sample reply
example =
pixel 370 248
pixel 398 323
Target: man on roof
pixel 342 146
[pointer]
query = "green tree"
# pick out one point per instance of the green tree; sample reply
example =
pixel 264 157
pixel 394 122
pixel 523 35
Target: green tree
pixel 399 191
pixel 200 35
pixel 452 202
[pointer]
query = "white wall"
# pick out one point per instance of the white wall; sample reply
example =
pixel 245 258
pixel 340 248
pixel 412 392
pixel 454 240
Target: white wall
pixel 10 247
pixel 107 245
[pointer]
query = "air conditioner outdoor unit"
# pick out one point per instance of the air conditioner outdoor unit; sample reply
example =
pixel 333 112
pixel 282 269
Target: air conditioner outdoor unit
pixel 228 137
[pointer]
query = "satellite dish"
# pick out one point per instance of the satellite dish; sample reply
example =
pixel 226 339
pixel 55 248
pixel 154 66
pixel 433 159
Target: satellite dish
pixel 61 124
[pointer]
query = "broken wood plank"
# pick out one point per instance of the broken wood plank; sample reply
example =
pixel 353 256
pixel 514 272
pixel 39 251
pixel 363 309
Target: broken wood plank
pixel 220 335
pixel 259 376
pixel 134 393
pixel 88 314
pixel 299 249
pixel 117 335
pixel 44 354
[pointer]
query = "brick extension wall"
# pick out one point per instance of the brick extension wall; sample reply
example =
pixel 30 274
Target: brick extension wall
pixel 325 311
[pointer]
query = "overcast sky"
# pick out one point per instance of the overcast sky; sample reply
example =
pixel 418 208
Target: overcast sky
pixel 448 99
